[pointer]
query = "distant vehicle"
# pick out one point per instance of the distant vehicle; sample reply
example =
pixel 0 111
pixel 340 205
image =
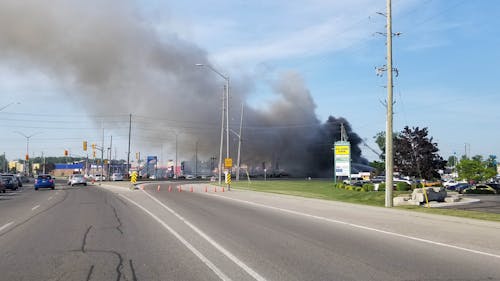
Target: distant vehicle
pixel 190 177
pixel 459 187
pixel 98 177
pixel 2 187
pixel 481 189
pixel 153 177
pixel 116 177
pixel 44 181
pixel 19 180
pixel 450 183
pixel 76 180
pixel 10 181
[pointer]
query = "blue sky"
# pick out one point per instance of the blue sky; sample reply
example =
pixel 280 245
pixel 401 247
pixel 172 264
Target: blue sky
pixel 447 57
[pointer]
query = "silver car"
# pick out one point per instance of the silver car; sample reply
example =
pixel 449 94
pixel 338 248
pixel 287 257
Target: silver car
pixel 77 179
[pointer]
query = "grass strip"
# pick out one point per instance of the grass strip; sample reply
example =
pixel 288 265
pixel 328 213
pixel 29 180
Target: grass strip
pixel 322 189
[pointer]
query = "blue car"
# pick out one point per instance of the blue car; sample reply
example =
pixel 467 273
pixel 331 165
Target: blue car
pixel 44 181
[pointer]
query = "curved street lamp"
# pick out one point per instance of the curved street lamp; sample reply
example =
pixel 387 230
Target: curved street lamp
pixel 226 78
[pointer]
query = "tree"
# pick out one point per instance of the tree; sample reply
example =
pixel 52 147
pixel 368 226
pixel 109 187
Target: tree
pixel 415 154
pixel 476 169
pixel 379 167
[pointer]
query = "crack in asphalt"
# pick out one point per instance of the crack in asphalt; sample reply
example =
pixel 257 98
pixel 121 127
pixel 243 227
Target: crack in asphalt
pixel 84 242
pixel 134 277
pixel 89 275
pixel 118 219
pixel 120 261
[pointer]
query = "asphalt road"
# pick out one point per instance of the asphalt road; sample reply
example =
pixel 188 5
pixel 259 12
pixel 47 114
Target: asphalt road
pixel 112 233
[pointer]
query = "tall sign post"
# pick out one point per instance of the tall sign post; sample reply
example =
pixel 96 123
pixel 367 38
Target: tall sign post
pixel 342 160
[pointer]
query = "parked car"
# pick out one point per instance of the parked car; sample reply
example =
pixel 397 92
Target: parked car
pixel 190 177
pixel 460 187
pixel 98 177
pixel 2 187
pixel 116 177
pixel 44 181
pixel 76 180
pixel 481 189
pixel 10 181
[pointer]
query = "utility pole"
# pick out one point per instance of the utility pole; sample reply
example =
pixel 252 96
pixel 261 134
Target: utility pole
pixel 196 160
pixel 239 145
pixel 110 155
pixel 43 157
pixel 389 155
pixel 102 154
pixel 129 134
pixel 222 135
pixel 175 168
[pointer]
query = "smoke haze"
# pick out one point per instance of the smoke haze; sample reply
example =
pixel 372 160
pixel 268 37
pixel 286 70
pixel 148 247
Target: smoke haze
pixel 103 51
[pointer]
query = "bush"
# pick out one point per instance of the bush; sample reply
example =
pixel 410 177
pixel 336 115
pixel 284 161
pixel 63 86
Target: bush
pixel 369 187
pixel 402 186
pixel 349 187
pixel 340 185
pixel 358 188
pixel 479 191
pixel 381 187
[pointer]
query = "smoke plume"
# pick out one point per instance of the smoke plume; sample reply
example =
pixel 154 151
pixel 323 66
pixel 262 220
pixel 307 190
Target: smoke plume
pixel 104 51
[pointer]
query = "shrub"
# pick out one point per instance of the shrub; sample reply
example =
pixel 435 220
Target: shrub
pixel 479 191
pixel 358 188
pixel 402 186
pixel 369 187
pixel 381 187
pixel 340 185
pixel 349 187
pixel 362 189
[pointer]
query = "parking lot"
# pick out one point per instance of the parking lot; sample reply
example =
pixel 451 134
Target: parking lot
pixel 488 203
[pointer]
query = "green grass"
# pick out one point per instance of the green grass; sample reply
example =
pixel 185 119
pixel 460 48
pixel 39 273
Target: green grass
pixel 324 190
pixel 314 189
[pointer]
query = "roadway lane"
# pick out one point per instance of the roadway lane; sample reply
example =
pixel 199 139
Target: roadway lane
pixel 284 246
pixel 89 233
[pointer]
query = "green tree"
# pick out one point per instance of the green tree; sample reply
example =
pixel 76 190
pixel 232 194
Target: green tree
pixel 476 169
pixel 416 155
pixel 379 167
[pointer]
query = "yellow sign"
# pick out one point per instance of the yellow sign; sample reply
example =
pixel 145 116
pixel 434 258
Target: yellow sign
pixel 133 177
pixel 228 178
pixel 342 150
pixel 228 162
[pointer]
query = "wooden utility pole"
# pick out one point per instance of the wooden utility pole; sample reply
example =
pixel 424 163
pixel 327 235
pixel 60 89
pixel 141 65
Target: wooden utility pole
pixel 389 154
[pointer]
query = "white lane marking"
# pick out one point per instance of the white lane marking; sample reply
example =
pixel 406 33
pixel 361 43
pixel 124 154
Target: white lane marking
pixel 232 257
pixel 36 207
pixel 50 198
pixel 205 260
pixel 364 227
pixel 6 225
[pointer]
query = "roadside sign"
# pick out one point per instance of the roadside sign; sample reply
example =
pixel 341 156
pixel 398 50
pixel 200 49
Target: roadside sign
pixel 342 159
pixel 228 162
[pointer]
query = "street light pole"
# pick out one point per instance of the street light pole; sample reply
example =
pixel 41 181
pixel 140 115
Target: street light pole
pixel 226 107
pixel 27 149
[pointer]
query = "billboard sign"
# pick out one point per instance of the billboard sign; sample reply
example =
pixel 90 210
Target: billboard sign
pixel 342 158
pixel 152 160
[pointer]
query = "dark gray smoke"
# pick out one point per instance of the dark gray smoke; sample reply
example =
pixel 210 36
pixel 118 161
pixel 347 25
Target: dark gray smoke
pixel 102 53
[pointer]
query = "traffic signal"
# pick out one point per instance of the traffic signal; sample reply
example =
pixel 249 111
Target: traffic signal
pixel 66 152
pixel 93 146
pixel 84 145
pixel 137 155
pixel 27 157
pixel 93 153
